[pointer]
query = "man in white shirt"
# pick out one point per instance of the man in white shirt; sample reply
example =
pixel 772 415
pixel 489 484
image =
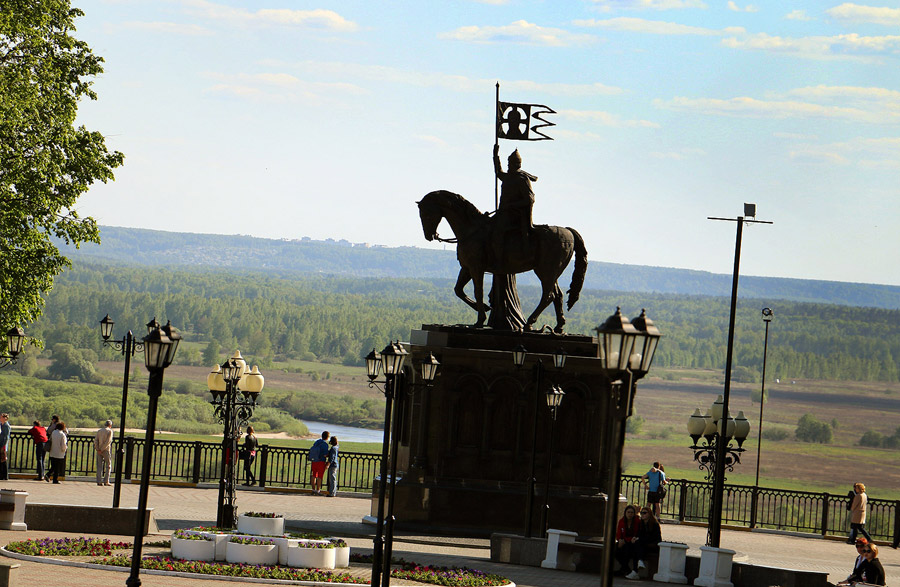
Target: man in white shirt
pixel 103 445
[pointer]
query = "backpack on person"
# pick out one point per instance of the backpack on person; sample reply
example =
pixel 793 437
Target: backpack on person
pixel 661 488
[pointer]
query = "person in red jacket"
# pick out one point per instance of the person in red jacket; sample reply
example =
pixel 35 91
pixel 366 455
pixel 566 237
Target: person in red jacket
pixel 626 542
pixel 39 434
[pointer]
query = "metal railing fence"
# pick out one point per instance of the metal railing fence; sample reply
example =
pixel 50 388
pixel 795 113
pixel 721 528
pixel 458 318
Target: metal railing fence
pixel 277 466
pixel 199 462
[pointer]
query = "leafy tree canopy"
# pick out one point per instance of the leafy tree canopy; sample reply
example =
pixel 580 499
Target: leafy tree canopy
pixel 46 163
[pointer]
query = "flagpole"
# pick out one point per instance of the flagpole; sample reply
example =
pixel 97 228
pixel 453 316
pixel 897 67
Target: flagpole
pixel 496 142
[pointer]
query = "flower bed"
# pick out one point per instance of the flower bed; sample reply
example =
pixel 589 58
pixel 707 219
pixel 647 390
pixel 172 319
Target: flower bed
pixel 82 546
pixel 454 577
pixel 234 570
pixel 260 524
pixel 312 555
pixel 253 551
pixel 193 546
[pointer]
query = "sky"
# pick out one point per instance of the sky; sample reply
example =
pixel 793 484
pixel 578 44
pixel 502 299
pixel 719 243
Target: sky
pixel 288 118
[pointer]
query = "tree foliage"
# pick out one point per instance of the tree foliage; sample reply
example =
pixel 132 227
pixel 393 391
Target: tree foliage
pixel 811 430
pixel 46 163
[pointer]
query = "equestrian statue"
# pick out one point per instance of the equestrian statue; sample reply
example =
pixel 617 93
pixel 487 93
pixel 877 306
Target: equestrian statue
pixel 507 242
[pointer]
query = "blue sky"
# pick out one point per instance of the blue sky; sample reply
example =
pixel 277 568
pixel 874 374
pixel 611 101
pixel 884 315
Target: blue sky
pixel 287 118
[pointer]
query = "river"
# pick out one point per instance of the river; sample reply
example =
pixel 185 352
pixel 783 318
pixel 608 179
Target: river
pixel 347 433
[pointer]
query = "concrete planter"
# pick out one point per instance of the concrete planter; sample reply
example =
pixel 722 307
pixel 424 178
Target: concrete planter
pixel 252 554
pixel 193 550
pixel 311 558
pixel 715 567
pixel 341 557
pixel 284 545
pixel 13 519
pixel 260 526
pixel 221 542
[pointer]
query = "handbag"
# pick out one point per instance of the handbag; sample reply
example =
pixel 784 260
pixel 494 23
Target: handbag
pixel 661 491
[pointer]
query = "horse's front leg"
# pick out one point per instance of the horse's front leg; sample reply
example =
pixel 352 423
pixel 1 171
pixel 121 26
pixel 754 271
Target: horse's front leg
pixel 460 289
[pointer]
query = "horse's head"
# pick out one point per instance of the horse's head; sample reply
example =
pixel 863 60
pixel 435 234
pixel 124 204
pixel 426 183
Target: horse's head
pixel 431 215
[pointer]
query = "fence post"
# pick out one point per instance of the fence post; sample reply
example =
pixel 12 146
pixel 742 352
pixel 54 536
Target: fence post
pixel 129 455
pixel 754 503
pixel 681 500
pixel 263 464
pixel 198 447
pixel 896 524
pixel 825 501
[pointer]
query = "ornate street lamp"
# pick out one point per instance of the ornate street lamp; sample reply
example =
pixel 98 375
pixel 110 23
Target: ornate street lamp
pixel 709 428
pixel 128 346
pixel 15 340
pixel 626 350
pixel 159 351
pixel 390 362
pixel 235 390
pixel 555 397
pixel 559 362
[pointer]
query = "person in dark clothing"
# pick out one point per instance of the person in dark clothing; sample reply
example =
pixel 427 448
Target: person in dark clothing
pixel 648 538
pixel 870 571
pixel 249 455
pixel 333 462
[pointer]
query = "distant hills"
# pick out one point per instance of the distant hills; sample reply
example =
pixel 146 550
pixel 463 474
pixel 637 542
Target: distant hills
pixel 185 250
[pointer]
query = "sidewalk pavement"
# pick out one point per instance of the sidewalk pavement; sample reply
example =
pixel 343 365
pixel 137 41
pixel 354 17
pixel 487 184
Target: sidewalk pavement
pixel 178 507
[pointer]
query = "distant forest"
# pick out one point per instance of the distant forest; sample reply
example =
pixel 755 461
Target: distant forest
pixel 130 246
pixel 273 316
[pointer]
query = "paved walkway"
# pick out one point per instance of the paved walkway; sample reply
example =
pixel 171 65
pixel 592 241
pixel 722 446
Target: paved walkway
pixel 177 507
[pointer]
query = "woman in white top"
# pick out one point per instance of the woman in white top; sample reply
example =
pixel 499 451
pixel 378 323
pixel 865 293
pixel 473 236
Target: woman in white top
pixel 59 444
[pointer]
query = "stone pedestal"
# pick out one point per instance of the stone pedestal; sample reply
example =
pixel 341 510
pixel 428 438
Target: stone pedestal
pixel 465 446
pixel 555 559
pixel 12 509
pixel 715 567
pixel 672 559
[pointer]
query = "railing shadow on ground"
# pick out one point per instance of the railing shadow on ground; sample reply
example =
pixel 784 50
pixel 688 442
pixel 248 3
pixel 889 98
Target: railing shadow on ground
pixel 275 466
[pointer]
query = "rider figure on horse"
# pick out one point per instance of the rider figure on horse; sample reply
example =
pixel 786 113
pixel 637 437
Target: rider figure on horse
pixel 513 221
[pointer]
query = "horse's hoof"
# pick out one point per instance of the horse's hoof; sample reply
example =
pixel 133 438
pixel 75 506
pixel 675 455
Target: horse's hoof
pixel 558 330
pixel 527 328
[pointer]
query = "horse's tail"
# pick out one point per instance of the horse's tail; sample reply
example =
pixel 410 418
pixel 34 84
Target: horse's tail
pixel 581 264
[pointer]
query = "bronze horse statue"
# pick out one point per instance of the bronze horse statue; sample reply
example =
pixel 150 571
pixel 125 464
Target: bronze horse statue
pixel 548 254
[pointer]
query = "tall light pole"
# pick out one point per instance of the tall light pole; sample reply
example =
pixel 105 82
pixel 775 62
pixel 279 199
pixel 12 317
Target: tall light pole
pixel 15 339
pixel 626 350
pixel 159 350
pixel 767 317
pixel 235 389
pixel 559 361
pixel 128 346
pixel 554 399
pixel 390 362
pixel 715 515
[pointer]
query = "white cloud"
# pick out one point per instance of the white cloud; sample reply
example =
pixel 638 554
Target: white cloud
pixel 520 31
pixel 777 109
pixel 605 119
pixel 890 98
pixel 748 8
pixel 456 83
pixel 654 27
pixel 868 153
pixel 797 15
pixel 277 87
pixel 309 19
pixel 858 13
pixel 850 46
pixel 610 5
pixel 172 28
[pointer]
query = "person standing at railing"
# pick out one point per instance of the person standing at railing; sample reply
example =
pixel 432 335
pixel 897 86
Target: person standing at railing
pixel 59 444
pixel 54 422
pixel 4 443
pixel 248 455
pixel 39 434
pixel 332 467
pixel 655 480
pixel 103 445
pixel 858 514
pixel 318 455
